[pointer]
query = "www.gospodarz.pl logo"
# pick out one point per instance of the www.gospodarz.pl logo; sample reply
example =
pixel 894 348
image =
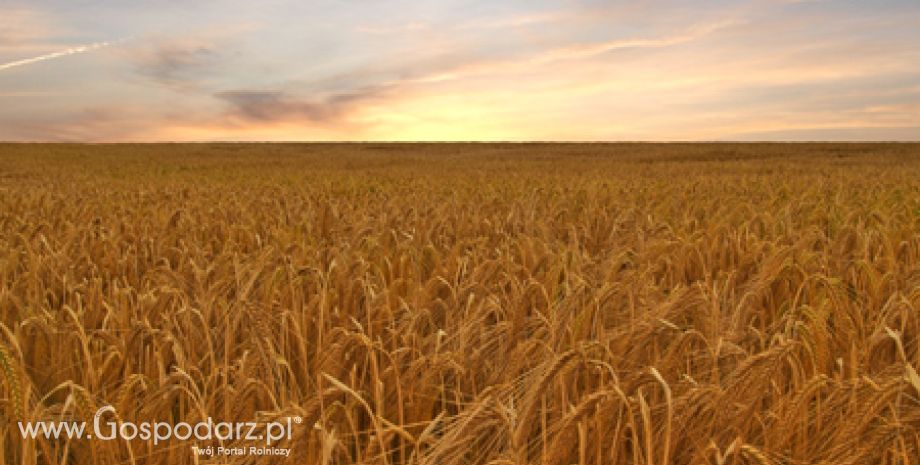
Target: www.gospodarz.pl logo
pixel 108 428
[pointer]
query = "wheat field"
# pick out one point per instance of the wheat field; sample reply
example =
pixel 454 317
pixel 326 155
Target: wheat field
pixel 448 304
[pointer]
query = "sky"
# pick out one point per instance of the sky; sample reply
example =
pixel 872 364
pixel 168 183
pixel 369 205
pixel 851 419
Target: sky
pixel 515 70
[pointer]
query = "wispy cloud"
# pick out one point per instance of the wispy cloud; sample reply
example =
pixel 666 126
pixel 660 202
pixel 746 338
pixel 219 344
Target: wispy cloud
pixel 24 30
pixel 573 52
pixel 24 94
pixel 58 54
pixel 479 24
pixel 589 50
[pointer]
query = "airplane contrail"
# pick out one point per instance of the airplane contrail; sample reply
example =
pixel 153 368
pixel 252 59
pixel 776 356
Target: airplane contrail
pixel 58 54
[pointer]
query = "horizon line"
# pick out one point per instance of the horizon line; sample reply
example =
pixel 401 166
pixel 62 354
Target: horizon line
pixel 445 142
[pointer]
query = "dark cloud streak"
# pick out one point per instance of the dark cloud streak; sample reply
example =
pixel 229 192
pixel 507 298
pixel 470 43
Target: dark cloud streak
pixel 273 105
pixel 174 64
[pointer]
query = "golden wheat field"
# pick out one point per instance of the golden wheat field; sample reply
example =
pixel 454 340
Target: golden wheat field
pixel 449 304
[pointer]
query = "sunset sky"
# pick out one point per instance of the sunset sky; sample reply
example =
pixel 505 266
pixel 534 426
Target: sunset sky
pixel 94 70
